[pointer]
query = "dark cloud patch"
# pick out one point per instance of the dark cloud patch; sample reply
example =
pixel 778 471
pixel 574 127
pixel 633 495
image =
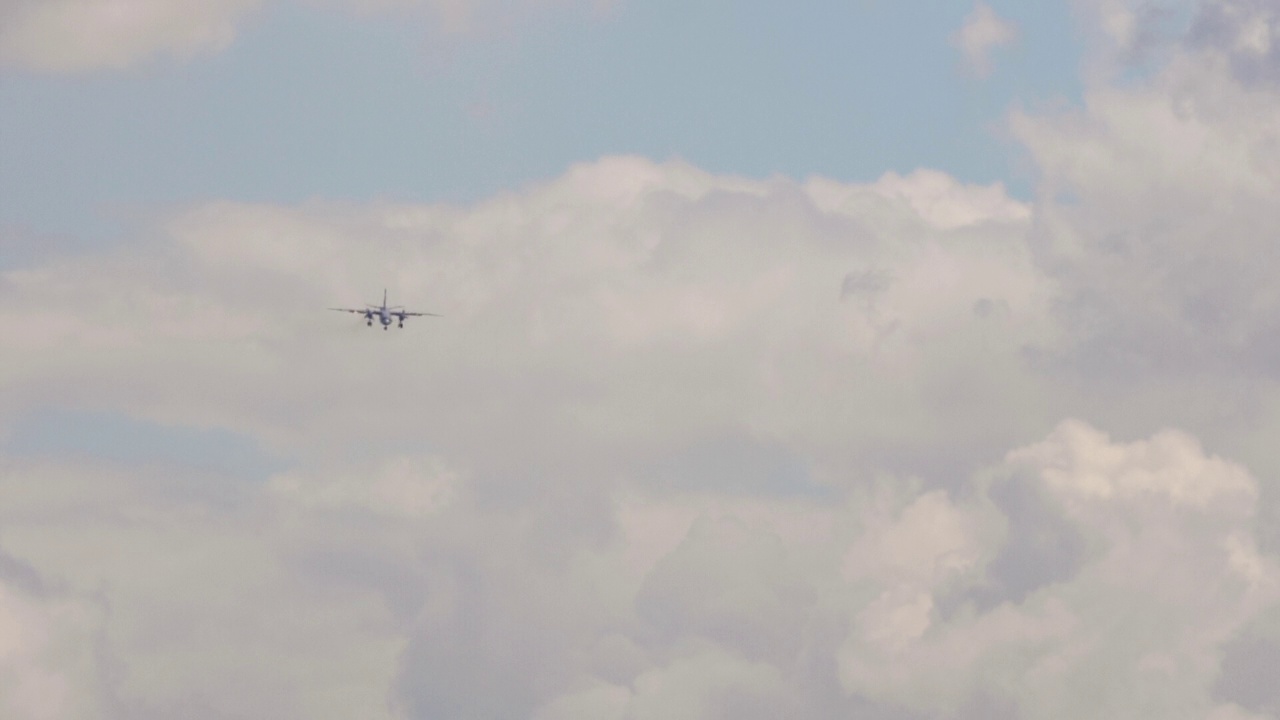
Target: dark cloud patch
pixel 865 286
pixel 335 559
pixel 75 654
pixel 1250 674
pixel 1156 27
pixel 466 660
pixel 498 633
pixel 735 463
pixel 21 575
pixel 1174 291
pixel 1247 33
pixel 733 584
pixel 1042 548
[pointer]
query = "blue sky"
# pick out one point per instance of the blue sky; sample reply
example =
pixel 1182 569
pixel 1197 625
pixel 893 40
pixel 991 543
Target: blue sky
pixel 317 103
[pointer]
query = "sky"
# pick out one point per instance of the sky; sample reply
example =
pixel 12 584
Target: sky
pixel 892 361
pixel 311 102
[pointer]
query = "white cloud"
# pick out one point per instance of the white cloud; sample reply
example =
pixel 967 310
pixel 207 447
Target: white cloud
pixel 694 606
pixel 457 496
pixel 948 204
pixel 625 305
pixel 78 36
pixel 1173 573
pixel 1080 466
pixel 983 31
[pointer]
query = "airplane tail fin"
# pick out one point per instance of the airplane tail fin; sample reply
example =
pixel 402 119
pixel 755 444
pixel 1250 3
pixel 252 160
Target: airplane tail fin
pixel 384 297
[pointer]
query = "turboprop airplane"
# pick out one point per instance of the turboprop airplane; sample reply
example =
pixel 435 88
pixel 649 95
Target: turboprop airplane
pixel 384 314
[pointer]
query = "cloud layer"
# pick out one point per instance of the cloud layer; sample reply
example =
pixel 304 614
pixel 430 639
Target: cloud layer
pixel 683 445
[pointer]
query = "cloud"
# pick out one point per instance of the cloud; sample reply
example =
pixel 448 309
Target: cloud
pixel 636 288
pixel 707 607
pixel 1156 202
pixel 1246 34
pixel 453 520
pixel 536 505
pixel 82 36
pixel 1173 573
pixel 1128 34
pixel 156 602
pixel 983 31
pixel 467 17
pixel 402 487
pixel 50 650
pixel 69 36
pixel 686 444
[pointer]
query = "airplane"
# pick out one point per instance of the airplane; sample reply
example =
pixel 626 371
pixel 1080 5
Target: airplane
pixel 383 313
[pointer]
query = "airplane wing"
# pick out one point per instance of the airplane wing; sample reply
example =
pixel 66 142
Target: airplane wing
pixel 402 313
pixel 350 310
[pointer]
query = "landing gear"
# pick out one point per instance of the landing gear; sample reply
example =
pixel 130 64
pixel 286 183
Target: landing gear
pixel 401 326
pixel 370 323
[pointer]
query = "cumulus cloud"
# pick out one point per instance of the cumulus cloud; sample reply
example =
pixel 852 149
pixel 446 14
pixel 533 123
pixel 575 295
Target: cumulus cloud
pixel 535 506
pixel 631 327
pixel 644 305
pixel 983 31
pixel 78 36
pixel 1156 204
pixel 684 444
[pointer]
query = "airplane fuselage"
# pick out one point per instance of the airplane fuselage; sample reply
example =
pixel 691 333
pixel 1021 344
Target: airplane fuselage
pixel 384 316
